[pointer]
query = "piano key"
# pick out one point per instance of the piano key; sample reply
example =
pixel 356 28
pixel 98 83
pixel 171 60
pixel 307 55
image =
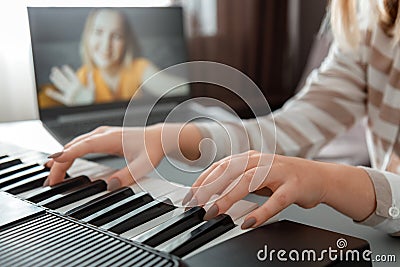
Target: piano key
pixel 16 168
pixel 138 216
pixel 100 203
pixel 49 191
pixel 172 227
pixel 189 241
pixel 27 184
pixel 21 175
pixel 118 209
pixel 132 233
pixel 9 162
pixel 81 202
pixel 3 156
pixel 74 194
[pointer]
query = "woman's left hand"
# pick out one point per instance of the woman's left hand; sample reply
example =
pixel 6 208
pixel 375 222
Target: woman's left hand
pixel 290 180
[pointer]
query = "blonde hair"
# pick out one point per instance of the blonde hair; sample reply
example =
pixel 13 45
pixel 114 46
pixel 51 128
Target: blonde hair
pixel 348 16
pixel 131 50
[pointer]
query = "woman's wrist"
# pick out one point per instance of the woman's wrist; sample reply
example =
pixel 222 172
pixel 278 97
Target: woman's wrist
pixel 349 190
pixel 176 138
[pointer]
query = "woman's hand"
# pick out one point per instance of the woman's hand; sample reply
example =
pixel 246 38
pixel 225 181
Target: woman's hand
pixel 143 156
pixel 144 148
pixel 289 180
pixel 71 91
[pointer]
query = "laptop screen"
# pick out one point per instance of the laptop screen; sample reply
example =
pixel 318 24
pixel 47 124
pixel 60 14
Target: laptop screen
pixel 95 58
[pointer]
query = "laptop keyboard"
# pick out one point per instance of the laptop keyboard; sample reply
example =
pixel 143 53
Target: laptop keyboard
pixel 68 131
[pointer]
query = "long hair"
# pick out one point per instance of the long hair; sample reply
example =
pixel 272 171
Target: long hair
pixel 348 15
pixel 131 49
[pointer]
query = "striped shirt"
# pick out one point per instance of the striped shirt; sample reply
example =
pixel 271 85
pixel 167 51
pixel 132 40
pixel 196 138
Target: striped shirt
pixel 348 87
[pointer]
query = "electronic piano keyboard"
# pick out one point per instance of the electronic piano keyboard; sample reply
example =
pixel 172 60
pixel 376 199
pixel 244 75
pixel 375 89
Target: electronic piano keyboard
pixel 79 223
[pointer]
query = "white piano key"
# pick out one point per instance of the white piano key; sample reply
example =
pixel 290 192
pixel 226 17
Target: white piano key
pixel 71 206
pixel 131 234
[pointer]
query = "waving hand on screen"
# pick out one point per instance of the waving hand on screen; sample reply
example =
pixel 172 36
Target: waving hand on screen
pixel 71 91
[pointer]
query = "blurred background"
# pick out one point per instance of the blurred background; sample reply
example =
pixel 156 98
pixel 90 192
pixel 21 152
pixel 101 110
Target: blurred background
pixel 267 40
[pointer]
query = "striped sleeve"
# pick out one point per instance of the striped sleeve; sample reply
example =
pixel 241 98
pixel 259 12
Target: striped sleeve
pixel 332 100
pixel 386 216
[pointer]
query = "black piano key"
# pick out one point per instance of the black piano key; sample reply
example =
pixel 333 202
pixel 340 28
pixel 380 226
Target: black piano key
pixel 50 191
pixel 3 156
pixel 16 168
pixel 27 184
pixel 22 175
pixel 139 216
pixel 118 209
pixel 8 162
pixel 172 227
pixel 201 235
pixel 74 195
pixel 100 203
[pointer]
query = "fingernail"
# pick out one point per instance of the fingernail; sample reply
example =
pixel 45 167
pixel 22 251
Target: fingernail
pixel 211 212
pixel 188 197
pixel 46 182
pixel 249 223
pixel 114 184
pixel 55 155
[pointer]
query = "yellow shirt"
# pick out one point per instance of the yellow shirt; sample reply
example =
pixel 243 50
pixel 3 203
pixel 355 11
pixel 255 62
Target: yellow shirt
pixel 130 80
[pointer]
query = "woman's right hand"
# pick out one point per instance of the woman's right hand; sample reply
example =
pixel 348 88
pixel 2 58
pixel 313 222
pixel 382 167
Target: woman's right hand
pixel 144 152
pixel 71 90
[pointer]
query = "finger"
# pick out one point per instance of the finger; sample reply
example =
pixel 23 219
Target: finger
pixel 57 172
pixel 214 169
pixel 49 163
pixel 223 175
pixel 120 178
pixel 56 96
pixel 99 143
pixel 60 80
pixel 132 173
pixel 81 137
pixel 200 180
pixel 280 199
pixel 236 190
pixel 70 73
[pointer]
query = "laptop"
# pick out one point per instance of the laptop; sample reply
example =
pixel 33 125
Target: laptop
pixel 60 58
